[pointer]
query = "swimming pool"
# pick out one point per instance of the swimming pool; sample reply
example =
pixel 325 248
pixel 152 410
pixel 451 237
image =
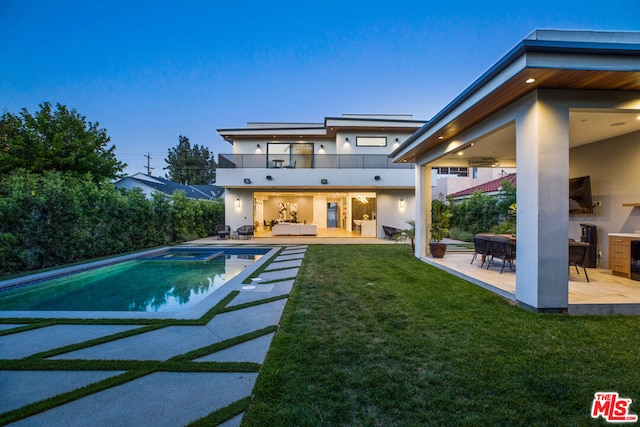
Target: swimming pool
pixel 170 280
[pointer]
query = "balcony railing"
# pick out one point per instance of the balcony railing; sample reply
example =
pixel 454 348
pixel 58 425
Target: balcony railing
pixel 309 161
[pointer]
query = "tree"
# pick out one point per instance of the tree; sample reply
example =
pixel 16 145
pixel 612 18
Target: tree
pixel 192 166
pixel 60 140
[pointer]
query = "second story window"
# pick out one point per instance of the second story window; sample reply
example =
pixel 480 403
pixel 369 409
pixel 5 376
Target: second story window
pixel 289 155
pixel 371 141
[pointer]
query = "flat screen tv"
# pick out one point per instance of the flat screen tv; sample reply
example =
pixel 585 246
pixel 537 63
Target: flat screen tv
pixel 580 195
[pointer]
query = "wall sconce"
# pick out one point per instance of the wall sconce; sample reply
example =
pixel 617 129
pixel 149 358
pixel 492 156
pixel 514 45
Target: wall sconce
pixel 377 177
pixel 401 203
pixel 238 203
pixel 269 177
pixel 347 139
pixel 247 181
pixel 323 181
pixel 321 147
pixel 397 140
pixel 258 145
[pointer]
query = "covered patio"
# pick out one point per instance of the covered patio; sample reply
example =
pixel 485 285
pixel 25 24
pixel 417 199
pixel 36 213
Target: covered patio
pixel 560 104
pixel 603 294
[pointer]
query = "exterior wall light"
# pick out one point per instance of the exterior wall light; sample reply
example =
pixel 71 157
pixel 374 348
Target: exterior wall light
pixel 323 181
pixel 269 177
pixel 258 145
pixel 401 203
pixel 377 177
pixel 247 181
pixel 238 203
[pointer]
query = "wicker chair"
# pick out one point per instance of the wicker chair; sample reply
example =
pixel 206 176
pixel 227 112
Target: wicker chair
pixel 223 231
pixel 246 231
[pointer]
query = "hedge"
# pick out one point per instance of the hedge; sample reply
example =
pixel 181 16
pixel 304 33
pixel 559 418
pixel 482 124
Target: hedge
pixel 53 218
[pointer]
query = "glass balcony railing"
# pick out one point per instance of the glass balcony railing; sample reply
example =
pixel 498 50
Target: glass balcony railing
pixel 309 161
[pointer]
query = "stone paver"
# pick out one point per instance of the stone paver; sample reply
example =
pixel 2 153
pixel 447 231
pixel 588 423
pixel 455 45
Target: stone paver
pixel 290 257
pixel 170 399
pixel 284 264
pixel 17 346
pixel 161 344
pixel 239 322
pixel 250 351
pixel 268 276
pixel 19 388
pixel 277 289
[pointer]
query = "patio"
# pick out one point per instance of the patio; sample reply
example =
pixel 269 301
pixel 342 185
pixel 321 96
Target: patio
pixel 604 294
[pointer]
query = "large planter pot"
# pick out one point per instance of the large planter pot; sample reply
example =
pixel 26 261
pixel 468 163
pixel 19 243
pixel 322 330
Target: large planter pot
pixel 437 250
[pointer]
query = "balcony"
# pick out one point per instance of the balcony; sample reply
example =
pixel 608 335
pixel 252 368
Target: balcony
pixel 309 161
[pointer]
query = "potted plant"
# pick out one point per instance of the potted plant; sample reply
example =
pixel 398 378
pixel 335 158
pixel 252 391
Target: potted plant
pixel 440 217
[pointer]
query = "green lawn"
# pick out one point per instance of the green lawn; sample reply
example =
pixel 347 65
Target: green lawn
pixel 372 336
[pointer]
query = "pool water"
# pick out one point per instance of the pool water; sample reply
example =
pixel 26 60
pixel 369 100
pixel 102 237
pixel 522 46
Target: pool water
pixel 158 284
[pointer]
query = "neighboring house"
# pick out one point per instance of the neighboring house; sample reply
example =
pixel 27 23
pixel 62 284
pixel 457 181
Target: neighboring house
pixel 559 105
pixel 336 175
pixel 448 180
pixel 490 187
pixel 149 184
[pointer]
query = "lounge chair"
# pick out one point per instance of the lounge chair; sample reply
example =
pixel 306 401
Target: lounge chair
pixel 223 231
pixel 390 232
pixel 246 231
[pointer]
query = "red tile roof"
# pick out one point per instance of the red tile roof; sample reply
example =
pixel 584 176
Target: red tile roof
pixel 487 187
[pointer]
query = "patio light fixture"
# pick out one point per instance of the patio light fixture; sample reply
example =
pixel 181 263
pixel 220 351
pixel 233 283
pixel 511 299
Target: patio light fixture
pixel 238 203
pixel 401 203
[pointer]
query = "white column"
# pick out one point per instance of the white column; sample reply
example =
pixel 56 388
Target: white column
pixel 423 209
pixel 542 147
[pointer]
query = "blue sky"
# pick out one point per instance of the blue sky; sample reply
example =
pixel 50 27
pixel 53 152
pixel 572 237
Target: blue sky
pixel 149 71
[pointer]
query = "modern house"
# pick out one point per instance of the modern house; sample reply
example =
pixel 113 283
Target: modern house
pixel 150 184
pixel 319 179
pixel 559 105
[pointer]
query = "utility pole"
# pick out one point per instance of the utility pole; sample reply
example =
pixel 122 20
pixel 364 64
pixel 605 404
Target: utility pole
pixel 149 168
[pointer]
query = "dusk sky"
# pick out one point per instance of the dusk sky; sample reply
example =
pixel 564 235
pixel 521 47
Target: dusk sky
pixel 149 71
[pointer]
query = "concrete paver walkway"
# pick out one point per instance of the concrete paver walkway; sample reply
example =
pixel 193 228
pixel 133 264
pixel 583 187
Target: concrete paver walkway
pixel 160 398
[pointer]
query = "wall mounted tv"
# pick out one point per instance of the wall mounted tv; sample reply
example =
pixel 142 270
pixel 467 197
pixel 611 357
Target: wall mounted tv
pixel 580 195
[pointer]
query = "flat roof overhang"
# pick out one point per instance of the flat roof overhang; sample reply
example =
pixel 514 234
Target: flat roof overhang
pixel 554 64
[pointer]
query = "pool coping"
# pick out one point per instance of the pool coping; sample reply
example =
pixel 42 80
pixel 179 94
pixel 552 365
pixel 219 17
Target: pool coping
pixel 195 312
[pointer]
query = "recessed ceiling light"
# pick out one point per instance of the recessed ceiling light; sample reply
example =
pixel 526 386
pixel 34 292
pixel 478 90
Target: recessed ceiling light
pixel 638 118
pixel 530 80
pixel 460 153
pixel 441 137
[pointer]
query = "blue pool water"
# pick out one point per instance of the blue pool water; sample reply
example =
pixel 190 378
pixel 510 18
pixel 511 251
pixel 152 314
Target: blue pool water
pixel 170 281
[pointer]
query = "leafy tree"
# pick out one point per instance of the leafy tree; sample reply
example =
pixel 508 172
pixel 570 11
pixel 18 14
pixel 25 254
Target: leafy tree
pixel 56 140
pixel 190 165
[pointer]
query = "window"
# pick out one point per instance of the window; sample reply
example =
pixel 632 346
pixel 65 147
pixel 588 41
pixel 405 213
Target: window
pixel 452 171
pixel 371 141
